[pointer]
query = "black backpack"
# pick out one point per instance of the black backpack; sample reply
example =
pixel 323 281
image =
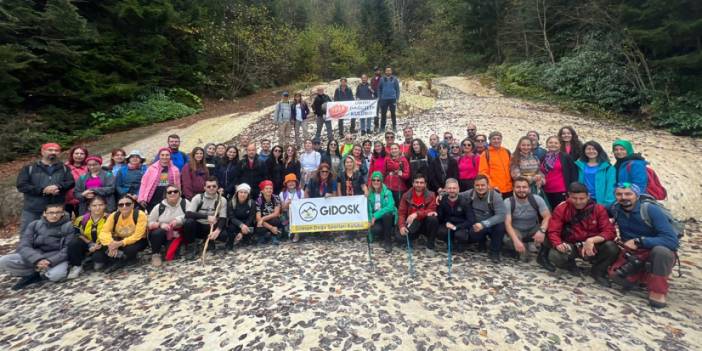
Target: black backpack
pixel 532 202
pixel 135 217
pixel 162 207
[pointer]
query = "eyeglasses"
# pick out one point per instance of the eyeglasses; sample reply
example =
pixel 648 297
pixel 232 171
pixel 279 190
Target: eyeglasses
pixel 171 192
pixel 455 147
pixel 210 186
pixel 375 180
pixel 389 137
pixel 467 145
pixel 54 213
pixel 323 171
pixel 124 204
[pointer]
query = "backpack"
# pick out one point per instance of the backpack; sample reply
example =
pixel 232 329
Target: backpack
pixel 490 203
pixel 653 186
pixel 648 201
pixel 532 202
pixel 162 207
pixel 135 217
pixel 202 201
pixel 298 192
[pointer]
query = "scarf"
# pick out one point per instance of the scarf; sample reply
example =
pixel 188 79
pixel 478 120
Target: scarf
pixel 550 160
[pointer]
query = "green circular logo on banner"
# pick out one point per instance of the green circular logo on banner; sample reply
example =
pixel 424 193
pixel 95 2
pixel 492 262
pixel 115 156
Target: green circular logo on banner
pixel 308 212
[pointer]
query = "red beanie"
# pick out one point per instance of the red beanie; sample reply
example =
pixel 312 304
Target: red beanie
pixel 264 183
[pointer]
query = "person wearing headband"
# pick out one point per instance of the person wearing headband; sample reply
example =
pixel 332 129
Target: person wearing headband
pixel 95 182
pixel 649 239
pixel 268 224
pixel 43 182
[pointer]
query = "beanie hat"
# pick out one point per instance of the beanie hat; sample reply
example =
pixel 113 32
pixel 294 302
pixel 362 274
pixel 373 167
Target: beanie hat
pixel 626 144
pixel 97 159
pixel 243 187
pixel 264 183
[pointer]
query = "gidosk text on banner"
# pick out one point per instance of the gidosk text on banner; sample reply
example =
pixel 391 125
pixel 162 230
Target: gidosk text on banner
pixel 329 214
pixel 351 109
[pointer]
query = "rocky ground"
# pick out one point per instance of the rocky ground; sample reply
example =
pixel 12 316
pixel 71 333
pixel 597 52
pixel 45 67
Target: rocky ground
pixel 322 294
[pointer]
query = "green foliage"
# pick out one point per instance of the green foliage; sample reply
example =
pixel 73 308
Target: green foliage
pixel 680 114
pixel 329 52
pixel 148 109
pixel 185 97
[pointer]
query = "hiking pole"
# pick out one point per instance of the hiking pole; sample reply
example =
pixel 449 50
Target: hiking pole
pixel 370 250
pixel 207 241
pixel 450 259
pixel 409 256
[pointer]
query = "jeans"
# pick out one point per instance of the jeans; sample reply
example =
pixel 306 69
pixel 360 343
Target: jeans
pixel 367 123
pixel 321 122
pixel 384 105
pixel 383 228
pixel 15 265
pixel 496 234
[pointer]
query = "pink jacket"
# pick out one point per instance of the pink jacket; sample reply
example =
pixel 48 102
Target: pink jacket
pixel 393 181
pixel 150 180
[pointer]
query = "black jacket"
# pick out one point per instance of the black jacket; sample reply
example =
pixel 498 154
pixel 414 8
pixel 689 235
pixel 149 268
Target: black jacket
pixel 227 174
pixel 437 176
pixel 461 215
pixel 247 211
pixel 345 95
pixel 419 165
pixel 319 100
pixel 365 92
pixel 34 177
pixel 274 173
pixel 252 175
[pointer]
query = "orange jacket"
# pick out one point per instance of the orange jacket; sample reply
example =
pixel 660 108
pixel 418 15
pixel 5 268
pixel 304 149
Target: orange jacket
pixel 496 167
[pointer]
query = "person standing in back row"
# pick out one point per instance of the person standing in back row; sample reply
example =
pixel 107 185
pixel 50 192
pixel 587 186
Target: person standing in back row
pixel 344 93
pixel 318 106
pixel 375 82
pixel 364 91
pixel 494 164
pixel 281 117
pixel 388 96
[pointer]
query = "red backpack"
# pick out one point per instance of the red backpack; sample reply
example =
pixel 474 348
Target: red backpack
pixel 654 186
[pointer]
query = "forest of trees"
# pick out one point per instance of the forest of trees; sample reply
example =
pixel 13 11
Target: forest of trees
pixel 76 69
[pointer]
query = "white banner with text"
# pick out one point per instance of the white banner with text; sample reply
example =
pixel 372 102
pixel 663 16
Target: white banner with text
pixel 329 214
pixel 351 109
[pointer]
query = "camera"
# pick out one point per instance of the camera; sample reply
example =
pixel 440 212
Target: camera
pixel 633 265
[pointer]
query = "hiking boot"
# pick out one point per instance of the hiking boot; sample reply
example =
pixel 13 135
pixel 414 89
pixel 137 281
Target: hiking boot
pixel 602 281
pixel 98 266
pixel 573 269
pixel 482 246
pixel 229 246
pixel 74 272
pixel 191 252
pixel 156 260
pixel 494 257
pixel 116 266
pixel 388 247
pixel 27 281
pixel 543 261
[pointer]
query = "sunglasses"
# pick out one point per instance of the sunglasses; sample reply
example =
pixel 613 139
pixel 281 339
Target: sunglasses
pixel 54 213
pixel 467 145
pixel 170 192
pixel 124 204
pixel 455 147
pixel 323 171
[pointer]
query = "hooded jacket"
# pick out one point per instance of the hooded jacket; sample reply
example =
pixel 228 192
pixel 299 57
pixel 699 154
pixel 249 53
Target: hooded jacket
pixel 128 181
pixel 632 168
pixel 106 190
pixel 32 180
pixel 44 240
pixel 632 226
pixel 605 179
pixel 597 223
pixel 394 181
pixel 387 203
pixel 494 164
pixel 150 180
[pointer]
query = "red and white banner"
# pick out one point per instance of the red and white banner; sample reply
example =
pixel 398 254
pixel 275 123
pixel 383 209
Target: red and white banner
pixel 351 109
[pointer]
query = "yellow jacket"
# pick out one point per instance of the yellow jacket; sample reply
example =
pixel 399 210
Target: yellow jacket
pixel 125 229
pixel 85 226
pixel 497 168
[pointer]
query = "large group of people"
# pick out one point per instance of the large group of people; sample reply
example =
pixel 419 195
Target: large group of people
pixel 559 204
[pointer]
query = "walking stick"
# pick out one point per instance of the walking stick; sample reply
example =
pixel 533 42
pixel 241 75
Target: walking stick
pixel 409 256
pixel 370 250
pixel 450 258
pixel 207 241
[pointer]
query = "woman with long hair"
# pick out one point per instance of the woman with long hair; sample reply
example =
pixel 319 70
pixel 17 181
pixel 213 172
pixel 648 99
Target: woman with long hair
pixel 166 223
pixel 291 164
pixel 357 153
pixel 274 168
pixel 559 171
pixel 597 173
pixel 570 142
pixel 227 171
pixel 350 181
pixel 378 159
pixel 309 162
pixel 333 157
pixel 124 233
pixel 418 158
pixel 95 182
pixel 396 172
pixel 299 114
pixel 76 164
pixel 526 164
pixel 118 159
pixel 195 173
pixel 441 168
pixel 468 165
pixel 211 157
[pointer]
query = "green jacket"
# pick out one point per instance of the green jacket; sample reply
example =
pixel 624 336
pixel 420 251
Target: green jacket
pixel 605 179
pixel 387 204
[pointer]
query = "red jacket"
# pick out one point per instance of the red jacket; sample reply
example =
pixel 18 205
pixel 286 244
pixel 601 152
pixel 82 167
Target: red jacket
pixel 407 207
pixel 393 181
pixel 597 223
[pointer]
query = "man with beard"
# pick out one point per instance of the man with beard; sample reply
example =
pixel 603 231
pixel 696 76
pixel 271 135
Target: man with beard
pixel 580 228
pixel 489 211
pixel 179 158
pixel 456 215
pixel 526 222
pixel 471 131
pixel 43 182
pixel 650 237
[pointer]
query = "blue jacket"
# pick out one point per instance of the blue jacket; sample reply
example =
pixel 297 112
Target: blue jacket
pixel 128 181
pixel 389 88
pixel 632 226
pixel 638 174
pixel 365 92
pixel 179 159
pixel 605 180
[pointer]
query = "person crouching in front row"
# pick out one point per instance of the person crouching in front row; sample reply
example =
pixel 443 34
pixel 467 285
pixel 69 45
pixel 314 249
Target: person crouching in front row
pixel 42 250
pixel 206 215
pixel 580 228
pixel 122 236
pixel 166 225
pixel 241 217
pixel 417 213
pixel 268 224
